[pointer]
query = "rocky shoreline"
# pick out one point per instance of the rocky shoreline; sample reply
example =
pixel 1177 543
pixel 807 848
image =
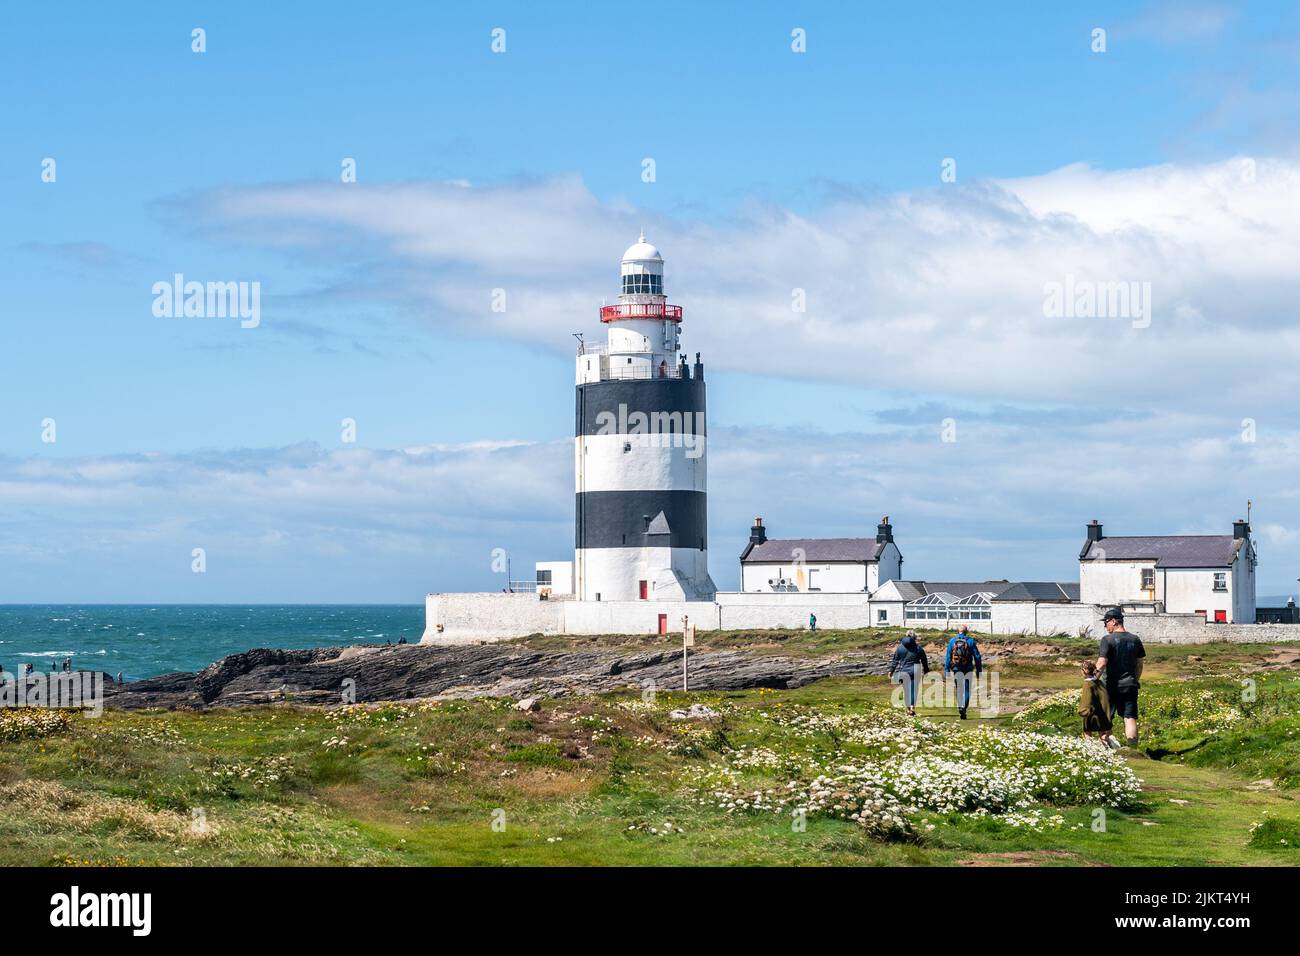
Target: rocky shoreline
pixel 371 673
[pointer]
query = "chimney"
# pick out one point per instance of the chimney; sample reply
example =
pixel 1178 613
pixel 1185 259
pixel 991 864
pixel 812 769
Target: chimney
pixel 1094 531
pixel 884 531
pixel 1241 529
pixel 757 534
pixel 699 368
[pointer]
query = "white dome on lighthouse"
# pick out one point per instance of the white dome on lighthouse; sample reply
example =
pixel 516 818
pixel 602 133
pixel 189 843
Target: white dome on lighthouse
pixel 642 251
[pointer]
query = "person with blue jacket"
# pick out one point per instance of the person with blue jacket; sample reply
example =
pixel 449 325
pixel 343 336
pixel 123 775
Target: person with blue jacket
pixel 960 659
pixel 907 667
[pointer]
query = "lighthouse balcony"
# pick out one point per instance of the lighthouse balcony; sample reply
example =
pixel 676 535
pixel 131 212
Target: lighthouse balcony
pixel 640 310
pixel 596 364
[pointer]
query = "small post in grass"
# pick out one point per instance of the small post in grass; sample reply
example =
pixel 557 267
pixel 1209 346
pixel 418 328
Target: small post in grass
pixel 688 640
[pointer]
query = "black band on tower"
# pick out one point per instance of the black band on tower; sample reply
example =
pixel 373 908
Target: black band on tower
pixel 666 404
pixel 617 519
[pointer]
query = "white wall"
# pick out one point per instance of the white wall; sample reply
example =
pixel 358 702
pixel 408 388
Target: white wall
pixel 832 576
pixel 471 618
pixel 1187 590
pixel 1115 582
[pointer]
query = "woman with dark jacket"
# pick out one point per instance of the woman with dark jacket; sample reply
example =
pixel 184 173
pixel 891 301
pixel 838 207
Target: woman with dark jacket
pixel 907 667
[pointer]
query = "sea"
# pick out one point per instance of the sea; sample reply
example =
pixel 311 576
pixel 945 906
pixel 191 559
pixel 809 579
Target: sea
pixel 144 640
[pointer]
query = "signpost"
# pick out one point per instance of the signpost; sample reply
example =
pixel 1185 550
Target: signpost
pixel 688 640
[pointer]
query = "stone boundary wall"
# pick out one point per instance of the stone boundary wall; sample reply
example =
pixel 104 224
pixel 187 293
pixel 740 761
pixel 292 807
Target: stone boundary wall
pixel 491 616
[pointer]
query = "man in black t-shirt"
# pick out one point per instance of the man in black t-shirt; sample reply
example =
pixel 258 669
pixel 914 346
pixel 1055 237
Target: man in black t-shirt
pixel 1120 658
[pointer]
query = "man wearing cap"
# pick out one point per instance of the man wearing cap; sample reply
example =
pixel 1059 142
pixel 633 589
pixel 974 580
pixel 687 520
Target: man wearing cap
pixel 1120 658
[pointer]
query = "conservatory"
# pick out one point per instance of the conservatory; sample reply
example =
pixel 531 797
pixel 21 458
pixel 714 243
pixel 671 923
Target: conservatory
pixel 942 606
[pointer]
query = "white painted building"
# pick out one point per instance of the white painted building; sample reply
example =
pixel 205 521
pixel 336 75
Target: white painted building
pixel 1210 575
pixel 833 565
pixel 554 578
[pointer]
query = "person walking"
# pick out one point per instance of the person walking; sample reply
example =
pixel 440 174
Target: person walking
pixel 907 667
pixel 960 659
pixel 812 622
pixel 1094 706
pixel 1120 656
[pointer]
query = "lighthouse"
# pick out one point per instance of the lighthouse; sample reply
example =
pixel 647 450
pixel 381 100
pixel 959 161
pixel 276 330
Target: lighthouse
pixel 640 445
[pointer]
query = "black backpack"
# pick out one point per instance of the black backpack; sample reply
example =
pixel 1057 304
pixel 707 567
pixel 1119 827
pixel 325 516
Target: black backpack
pixel 960 654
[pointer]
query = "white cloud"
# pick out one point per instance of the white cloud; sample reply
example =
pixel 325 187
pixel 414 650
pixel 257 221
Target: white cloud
pixel 304 523
pixel 939 290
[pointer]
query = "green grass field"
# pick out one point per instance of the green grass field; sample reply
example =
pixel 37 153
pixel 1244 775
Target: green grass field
pixel 611 779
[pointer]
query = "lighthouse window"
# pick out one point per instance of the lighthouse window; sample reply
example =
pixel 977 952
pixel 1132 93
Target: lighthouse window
pixel 643 284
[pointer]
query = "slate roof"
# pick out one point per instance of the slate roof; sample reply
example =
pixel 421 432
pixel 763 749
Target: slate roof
pixel 1169 551
pixel 778 550
pixel 908 590
pixel 1061 591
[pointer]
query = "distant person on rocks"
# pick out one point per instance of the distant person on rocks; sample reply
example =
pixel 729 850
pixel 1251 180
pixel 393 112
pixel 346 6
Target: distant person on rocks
pixel 1094 706
pixel 1120 656
pixel 907 667
pixel 27 670
pixel 119 677
pixel 402 639
pixel 960 659
pixel 812 622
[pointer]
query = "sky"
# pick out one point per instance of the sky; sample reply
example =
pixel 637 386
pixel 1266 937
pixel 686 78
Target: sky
pixel 925 181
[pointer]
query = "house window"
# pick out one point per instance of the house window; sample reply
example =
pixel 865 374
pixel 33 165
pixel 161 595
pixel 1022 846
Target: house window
pixel 1148 579
pixel 882 616
pixel 543 577
pixel 1220 580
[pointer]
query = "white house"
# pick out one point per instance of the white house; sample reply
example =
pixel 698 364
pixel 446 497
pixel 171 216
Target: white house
pixel 1207 574
pixel 841 565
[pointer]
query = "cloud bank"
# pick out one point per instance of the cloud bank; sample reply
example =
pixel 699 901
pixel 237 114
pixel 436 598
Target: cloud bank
pixel 940 290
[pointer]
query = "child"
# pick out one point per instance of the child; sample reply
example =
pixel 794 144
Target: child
pixel 1094 706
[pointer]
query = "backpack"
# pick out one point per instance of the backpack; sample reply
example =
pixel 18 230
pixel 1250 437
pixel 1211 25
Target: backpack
pixel 960 654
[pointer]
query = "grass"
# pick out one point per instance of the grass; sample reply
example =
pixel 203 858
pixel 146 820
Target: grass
pixel 610 779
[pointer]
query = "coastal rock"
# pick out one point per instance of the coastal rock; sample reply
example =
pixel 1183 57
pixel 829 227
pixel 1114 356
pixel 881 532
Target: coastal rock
pixel 368 673
pixel 529 703
pixel 694 712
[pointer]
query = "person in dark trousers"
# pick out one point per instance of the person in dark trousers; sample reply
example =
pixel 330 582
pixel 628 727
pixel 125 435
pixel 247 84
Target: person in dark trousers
pixel 1120 657
pixel 908 666
pixel 960 659
pixel 812 622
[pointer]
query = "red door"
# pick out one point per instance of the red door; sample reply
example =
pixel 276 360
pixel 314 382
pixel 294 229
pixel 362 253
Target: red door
pixel 645 591
pixel 663 623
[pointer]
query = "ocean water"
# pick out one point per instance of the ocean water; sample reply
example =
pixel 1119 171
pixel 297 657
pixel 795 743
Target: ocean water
pixel 144 640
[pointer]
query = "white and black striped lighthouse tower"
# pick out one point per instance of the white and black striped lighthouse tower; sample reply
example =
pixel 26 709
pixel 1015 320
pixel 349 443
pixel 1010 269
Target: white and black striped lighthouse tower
pixel 640 446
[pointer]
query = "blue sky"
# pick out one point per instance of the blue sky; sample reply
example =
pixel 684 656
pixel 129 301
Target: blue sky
pixel 522 170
